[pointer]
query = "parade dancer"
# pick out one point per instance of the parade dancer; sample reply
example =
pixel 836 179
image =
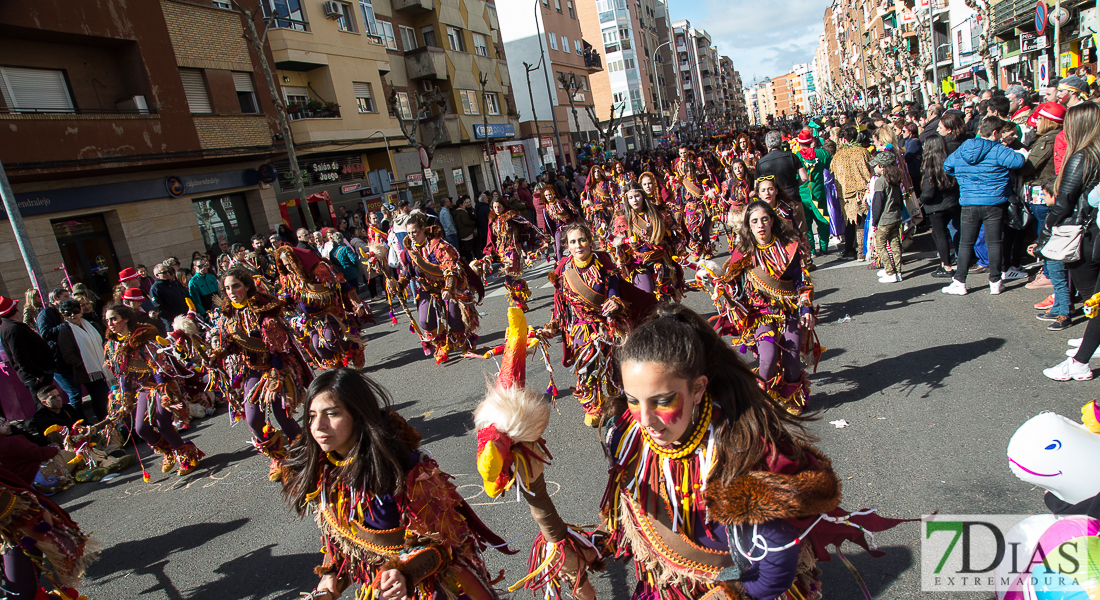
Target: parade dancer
pixel 149 380
pixel 255 343
pixel 557 212
pixel 328 309
pixel 697 220
pixel 746 151
pixel 814 203
pixel 447 319
pixel 510 239
pixel 645 239
pixel 598 203
pixel 392 524
pixel 765 298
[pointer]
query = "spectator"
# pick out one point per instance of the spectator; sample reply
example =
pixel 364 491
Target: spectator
pixel 183 277
pixel 50 324
pixel 20 455
pixel 982 167
pixel 914 153
pixel 886 205
pixel 1039 169
pixel 447 222
pixel 31 355
pixel 481 217
pixel 202 288
pixel 784 166
pixel 528 200
pixel 953 131
pixel 1071 91
pixel 144 281
pixel 168 295
pixel 285 234
pixel 80 346
pixel 53 411
pixel 400 218
pixel 305 241
pixel 32 305
pixel 344 257
pixel 940 199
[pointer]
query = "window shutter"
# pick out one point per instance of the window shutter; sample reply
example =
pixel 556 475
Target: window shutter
pixel 195 89
pixel 362 90
pixel 243 82
pixel 38 89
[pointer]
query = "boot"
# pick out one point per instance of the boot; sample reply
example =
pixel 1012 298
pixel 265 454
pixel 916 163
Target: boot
pixel 273 448
pixel 188 456
pixel 169 461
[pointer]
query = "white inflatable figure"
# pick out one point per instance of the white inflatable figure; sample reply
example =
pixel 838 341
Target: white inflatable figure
pixel 1055 453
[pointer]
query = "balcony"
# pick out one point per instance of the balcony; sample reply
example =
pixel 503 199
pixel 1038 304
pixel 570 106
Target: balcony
pixel 312 110
pixel 592 60
pixel 413 7
pixel 426 62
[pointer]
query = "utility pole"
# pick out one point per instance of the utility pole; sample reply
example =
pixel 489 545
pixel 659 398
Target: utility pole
pixel 660 103
pixel 534 115
pixel 549 90
pixel 482 79
pixel 21 237
pixel 258 41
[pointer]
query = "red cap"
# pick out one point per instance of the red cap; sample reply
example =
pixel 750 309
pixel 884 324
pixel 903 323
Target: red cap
pixel 513 369
pixel 805 136
pixel 1053 111
pixel 134 295
pixel 127 274
pixel 7 306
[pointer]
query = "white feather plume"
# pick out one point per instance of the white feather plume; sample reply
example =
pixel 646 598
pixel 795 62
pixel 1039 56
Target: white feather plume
pixel 521 413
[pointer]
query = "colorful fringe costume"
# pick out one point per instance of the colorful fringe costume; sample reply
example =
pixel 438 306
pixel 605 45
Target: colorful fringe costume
pixel 450 326
pixel 697 214
pixel 424 529
pixel 510 240
pixel 760 299
pixel 558 213
pixel 256 345
pixel 598 202
pixel 326 325
pixel 645 246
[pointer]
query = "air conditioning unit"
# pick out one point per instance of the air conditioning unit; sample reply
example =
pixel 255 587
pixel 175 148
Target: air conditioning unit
pixel 134 104
pixel 332 9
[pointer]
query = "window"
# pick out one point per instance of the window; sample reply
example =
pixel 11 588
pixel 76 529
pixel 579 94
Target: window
pixel 386 31
pixel 364 99
pixel 557 5
pixel 480 48
pixel 404 108
pixel 628 63
pixel 370 24
pixel 346 19
pixel 553 41
pixel 491 105
pixel 577 45
pixel 572 14
pixel 41 90
pixel 565 44
pixel 610 41
pixel 408 38
pixel 558 76
pixel 429 36
pixel 195 89
pixel 222 4
pixel 624 35
pixel 289 14
pixel 246 93
pixel 469 102
pixel 618 97
pixel 455 39
pixel 546 3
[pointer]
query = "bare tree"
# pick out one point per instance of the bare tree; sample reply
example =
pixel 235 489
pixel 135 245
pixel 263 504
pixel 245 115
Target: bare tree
pixel 608 130
pixel 258 40
pixel 571 87
pixel 984 10
pixel 422 112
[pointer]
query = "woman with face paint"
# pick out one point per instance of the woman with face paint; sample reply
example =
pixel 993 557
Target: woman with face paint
pixel 511 238
pixel 257 348
pixel 392 524
pixel 765 298
pixel 645 238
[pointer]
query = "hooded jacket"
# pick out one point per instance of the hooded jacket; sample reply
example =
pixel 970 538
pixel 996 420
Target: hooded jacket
pixel 982 170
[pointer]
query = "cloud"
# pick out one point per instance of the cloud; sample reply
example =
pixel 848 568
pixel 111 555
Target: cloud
pixel 763 38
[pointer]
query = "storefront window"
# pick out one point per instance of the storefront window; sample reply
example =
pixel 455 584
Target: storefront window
pixel 224 218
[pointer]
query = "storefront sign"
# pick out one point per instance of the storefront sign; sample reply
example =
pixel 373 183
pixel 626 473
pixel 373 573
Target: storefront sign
pixel 495 131
pixel 353 187
pixel 458 176
pixel 547 142
pixel 963 75
pixel 267 173
pixel 415 179
pixel 174 186
pixel 325 171
pixel 354 168
pixel 1029 42
pixel 91 196
pixel 517 150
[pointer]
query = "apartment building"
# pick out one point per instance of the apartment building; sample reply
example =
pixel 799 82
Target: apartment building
pixel 629 34
pixel 732 93
pixel 132 133
pixel 667 68
pixel 554 102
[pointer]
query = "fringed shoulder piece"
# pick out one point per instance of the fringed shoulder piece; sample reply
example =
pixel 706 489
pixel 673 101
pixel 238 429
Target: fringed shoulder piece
pixel 760 496
pixel 143 334
pixel 409 436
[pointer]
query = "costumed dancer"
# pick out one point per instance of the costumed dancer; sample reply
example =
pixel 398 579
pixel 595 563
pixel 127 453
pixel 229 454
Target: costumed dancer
pixel 38 537
pixel 253 338
pixel 191 347
pixel 392 524
pixel 510 239
pixel 765 299
pixel 598 203
pixel 814 203
pixel 557 212
pixel 511 452
pixel 620 177
pixel 746 151
pixel 149 378
pixel 695 200
pixel 447 319
pixel 593 316
pixel 329 310
pixel 645 240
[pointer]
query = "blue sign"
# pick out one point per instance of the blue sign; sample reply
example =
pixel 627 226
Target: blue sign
pixel 495 131
pixel 1040 17
pixel 268 173
pixel 91 196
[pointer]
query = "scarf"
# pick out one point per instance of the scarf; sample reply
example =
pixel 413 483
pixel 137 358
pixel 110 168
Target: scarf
pixel 91 349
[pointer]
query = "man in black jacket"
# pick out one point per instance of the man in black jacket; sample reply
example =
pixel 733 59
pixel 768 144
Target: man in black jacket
pixel 50 324
pixel 788 171
pixel 931 122
pixel 168 295
pixel 26 350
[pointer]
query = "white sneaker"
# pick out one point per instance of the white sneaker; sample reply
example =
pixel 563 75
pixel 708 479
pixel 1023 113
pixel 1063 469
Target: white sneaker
pixel 1073 352
pixel 996 287
pixel 1075 342
pixel 890 278
pixel 957 288
pixel 1013 273
pixel 881 273
pixel 1069 369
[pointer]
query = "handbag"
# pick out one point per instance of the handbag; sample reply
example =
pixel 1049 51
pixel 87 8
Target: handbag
pixel 1064 244
pixel 1017 215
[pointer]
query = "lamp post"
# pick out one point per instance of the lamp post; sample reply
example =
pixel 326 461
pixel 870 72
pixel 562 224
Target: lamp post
pixel 30 259
pixel 389 155
pixel 660 102
pixel 534 115
pixel 549 90
pixel 482 79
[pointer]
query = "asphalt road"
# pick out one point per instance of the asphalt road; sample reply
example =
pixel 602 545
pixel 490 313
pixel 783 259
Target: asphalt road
pixel 932 387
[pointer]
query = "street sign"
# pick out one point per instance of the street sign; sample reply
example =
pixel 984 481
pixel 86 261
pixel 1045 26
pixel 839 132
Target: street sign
pixel 1029 42
pixel 428 173
pixel 1043 69
pixel 424 158
pixel 1041 17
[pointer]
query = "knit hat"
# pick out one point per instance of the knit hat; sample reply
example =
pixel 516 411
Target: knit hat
pixel 884 159
pixel 1053 111
pixel 127 274
pixel 7 306
pixel 805 136
pixel 134 295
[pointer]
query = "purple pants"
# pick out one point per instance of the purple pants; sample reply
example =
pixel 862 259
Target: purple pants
pixel 164 430
pixel 779 347
pixel 645 282
pixel 21 576
pixel 428 318
pixel 256 419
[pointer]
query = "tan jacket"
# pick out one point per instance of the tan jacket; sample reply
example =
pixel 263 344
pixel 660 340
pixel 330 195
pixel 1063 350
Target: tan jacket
pixel 852 172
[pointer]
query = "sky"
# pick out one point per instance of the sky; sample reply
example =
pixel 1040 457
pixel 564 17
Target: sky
pixel 762 37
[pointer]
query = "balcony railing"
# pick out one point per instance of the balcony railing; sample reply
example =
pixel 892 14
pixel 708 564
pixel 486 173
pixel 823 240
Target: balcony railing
pixel 592 60
pixel 6 110
pixel 297 112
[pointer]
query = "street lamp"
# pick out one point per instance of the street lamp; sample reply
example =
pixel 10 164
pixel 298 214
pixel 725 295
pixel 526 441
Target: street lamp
pixel 549 90
pixel 660 103
pixel 389 155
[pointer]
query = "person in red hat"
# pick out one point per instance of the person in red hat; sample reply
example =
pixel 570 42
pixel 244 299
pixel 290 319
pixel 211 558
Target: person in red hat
pixel 135 299
pixel 1047 122
pixel 814 202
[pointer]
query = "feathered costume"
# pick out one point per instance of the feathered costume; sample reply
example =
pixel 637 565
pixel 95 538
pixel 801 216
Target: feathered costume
pixel 598 202
pixel 511 239
pixel 645 245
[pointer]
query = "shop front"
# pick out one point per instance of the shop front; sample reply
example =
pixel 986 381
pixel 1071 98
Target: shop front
pixel 454 171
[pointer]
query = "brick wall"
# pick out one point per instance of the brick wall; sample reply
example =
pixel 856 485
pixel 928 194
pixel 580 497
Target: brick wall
pixel 205 37
pixel 232 131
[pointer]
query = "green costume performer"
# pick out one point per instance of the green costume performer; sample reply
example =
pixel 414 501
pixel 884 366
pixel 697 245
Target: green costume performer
pixel 813 191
